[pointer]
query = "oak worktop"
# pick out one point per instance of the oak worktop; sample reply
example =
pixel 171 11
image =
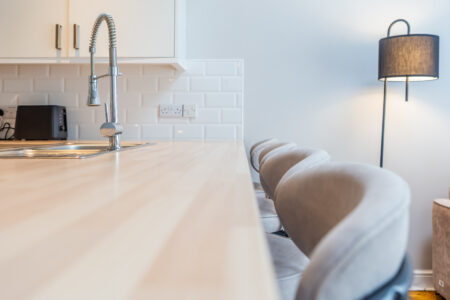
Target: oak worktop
pixel 174 220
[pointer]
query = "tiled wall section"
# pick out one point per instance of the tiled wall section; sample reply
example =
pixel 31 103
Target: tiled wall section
pixel 215 86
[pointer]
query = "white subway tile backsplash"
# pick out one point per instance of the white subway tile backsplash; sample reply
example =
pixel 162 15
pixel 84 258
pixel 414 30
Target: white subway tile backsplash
pixel 131 100
pixel 221 68
pixel 142 115
pixel 82 99
pixel 72 132
pixel 131 132
pixel 233 115
pixel 191 98
pixel 100 69
pixel 89 132
pixel 194 68
pixel 8 71
pixel 173 84
pixel 100 116
pixel 131 70
pixel 239 132
pixel 154 99
pixel 76 85
pixel 205 84
pixel 65 99
pixel 188 132
pixel 240 67
pixel 207 116
pixel 80 116
pixel 232 84
pixel 49 85
pixel 8 99
pixel 239 100
pixel 17 85
pixel 158 70
pixel 64 71
pixel 173 121
pixel 214 86
pixel 157 132
pixel 104 88
pixel 32 99
pixel 33 71
pixel 220 100
pixel 220 132
pixel 145 84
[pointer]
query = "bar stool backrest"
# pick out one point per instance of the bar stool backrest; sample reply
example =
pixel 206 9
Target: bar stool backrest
pixel 351 220
pixel 256 149
pixel 279 162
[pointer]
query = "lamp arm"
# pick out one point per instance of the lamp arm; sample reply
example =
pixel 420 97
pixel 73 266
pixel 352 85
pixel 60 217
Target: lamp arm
pixel 408 28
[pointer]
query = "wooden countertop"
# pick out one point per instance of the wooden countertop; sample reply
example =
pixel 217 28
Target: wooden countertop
pixel 175 220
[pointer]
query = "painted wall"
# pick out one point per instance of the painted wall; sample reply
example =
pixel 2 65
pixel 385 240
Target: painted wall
pixel 311 77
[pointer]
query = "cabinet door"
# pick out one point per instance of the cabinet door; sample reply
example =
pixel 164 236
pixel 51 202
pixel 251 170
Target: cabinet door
pixel 145 28
pixel 27 28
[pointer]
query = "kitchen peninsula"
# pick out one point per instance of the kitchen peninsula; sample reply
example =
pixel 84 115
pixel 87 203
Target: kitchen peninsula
pixel 173 220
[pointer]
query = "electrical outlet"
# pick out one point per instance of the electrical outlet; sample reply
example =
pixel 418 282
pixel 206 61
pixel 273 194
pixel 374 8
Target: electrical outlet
pixel 171 110
pixel 8 112
pixel 189 111
pixel 7 120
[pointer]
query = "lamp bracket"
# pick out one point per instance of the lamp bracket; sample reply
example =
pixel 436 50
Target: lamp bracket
pixel 396 21
pixel 408 29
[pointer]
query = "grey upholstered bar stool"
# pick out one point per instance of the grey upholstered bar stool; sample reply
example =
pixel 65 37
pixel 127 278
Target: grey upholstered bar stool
pixel 350 222
pixel 275 168
pixel 276 164
pixel 266 149
pixel 255 151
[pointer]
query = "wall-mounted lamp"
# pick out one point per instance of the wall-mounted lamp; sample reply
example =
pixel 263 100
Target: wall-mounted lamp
pixel 410 57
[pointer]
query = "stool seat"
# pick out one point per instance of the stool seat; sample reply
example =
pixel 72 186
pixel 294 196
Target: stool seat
pixel 257 186
pixel 269 217
pixel 289 263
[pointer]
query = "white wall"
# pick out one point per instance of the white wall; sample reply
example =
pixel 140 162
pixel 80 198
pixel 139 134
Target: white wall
pixel 311 77
pixel 214 86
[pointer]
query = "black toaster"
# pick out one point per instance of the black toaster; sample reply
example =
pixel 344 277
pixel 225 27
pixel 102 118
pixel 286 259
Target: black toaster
pixel 41 122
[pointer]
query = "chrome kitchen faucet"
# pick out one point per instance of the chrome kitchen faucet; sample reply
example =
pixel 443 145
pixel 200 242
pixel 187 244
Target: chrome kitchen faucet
pixel 111 128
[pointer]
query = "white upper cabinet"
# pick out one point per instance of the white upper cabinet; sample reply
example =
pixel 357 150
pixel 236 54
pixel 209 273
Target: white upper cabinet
pixel 27 28
pixel 145 28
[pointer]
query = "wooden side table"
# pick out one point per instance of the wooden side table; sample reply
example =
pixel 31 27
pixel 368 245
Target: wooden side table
pixel 441 246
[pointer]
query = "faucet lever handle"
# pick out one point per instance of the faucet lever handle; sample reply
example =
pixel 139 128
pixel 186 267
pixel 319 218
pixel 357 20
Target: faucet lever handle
pixel 106 112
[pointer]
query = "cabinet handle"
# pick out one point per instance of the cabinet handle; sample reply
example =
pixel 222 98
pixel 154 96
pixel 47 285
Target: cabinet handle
pixel 76 36
pixel 58 36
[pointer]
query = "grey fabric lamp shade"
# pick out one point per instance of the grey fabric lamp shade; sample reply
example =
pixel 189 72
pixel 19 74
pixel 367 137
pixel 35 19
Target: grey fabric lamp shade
pixel 410 57
pixel 414 56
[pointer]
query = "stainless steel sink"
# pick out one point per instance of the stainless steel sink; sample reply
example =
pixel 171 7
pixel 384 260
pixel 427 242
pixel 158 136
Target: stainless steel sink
pixel 18 145
pixel 67 150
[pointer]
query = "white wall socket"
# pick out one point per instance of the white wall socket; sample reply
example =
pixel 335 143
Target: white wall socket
pixel 189 111
pixel 171 110
pixel 8 112
pixel 7 115
pixel 177 111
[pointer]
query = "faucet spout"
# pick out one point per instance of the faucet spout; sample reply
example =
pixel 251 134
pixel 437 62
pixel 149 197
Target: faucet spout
pixel 114 129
